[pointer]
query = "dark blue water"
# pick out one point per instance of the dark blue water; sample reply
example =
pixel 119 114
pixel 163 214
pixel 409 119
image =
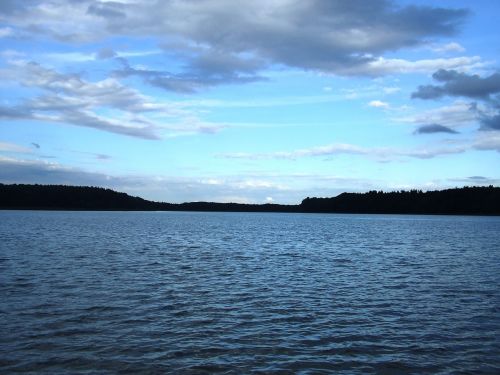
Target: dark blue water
pixel 195 293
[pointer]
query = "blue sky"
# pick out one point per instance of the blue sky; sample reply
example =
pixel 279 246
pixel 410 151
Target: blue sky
pixel 262 101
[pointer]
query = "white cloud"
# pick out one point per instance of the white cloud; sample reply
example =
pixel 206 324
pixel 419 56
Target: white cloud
pixel 68 57
pixel 274 101
pixel 143 53
pixel 483 141
pixel 487 140
pixel 81 57
pixel 378 104
pixel 449 47
pixel 72 90
pixel 12 147
pixel 106 105
pixel 212 181
pixel 259 184
pixel 382 154
pixel 383 66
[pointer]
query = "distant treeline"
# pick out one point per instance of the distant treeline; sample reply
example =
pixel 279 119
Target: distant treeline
pixel 459 201
pixel 63 197
pixel 466 201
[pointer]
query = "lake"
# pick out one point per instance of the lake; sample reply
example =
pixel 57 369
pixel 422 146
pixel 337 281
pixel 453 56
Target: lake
pixel 238 293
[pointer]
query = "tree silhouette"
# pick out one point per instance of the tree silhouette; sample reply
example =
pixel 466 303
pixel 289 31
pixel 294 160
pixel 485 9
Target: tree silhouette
pixel 464 201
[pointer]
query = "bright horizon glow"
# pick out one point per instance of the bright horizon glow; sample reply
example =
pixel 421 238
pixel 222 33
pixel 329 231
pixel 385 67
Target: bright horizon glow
pixel 266 101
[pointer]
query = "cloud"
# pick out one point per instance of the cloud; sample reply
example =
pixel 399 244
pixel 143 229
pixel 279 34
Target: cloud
pixel 455 83
pixel 490 123
pixel 82 57
pixel 13 7
pixel 485 89
pixel 487 141
pixel 91 120
pixel 449 47
pixel 111 10
pixel 378 104
pixel 382 66
pixel 81 118
pixel 44 172
pixel 12 147
pixel 482 142
pixel 94 155
pixel 458 114
pixel 215 68
pixel 434 128
pixel 230 37
pixel 190 125
pixel 14 113
pixel 209 69
pixel 382 154
pixel 69 99
pixel 391 90
pixel 275 101
pixel 71 89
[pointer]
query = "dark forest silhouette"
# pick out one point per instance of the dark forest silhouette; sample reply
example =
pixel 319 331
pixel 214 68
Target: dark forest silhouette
pixel 466 200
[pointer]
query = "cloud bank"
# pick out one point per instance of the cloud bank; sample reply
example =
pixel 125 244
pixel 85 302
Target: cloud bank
pixel 229 42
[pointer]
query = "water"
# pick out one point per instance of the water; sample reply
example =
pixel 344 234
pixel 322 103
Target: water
pixel 195 293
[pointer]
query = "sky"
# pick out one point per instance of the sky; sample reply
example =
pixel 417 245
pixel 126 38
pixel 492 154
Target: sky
pixel 265 101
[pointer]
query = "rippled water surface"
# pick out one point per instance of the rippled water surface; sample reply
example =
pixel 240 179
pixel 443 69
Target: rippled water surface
pixel 194 293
